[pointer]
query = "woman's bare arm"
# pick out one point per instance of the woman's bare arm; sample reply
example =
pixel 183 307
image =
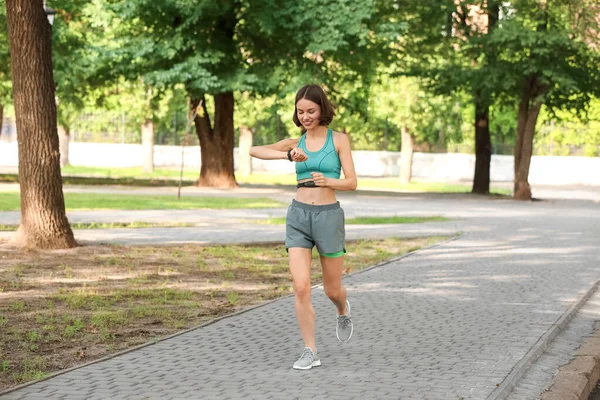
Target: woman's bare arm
pixel 278 151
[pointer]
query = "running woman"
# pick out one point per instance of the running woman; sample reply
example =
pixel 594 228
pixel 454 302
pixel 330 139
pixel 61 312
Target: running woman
pixel 315 217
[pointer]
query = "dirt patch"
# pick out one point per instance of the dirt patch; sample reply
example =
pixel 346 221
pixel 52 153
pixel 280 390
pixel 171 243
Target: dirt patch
pixel 63 308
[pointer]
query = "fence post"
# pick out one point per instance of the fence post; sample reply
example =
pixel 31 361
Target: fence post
pixel 244 159
pixel 148 146
pixel 406 156
pixel 63 143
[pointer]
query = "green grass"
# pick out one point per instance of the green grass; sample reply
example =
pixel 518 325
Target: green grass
pixel 120 176
pixel 389 183
pixel 135 172
pixel 112 225
pixel 170 177
pixel 129 181
pixel 121 296
pixel 367 220
pixel 9 201
pixel 395 220
pixel 429 187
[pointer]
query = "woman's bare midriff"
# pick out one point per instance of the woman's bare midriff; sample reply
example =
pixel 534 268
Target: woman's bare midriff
pixel 316 196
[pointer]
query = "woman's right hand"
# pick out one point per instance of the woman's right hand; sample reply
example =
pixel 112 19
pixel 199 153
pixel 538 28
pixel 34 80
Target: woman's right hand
pixel 298 155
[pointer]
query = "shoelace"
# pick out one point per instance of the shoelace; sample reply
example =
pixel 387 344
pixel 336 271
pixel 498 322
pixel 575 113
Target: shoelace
pixel 344 321
pixel 307 353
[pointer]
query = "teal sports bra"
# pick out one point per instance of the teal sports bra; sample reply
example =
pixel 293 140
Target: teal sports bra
pixel 325 161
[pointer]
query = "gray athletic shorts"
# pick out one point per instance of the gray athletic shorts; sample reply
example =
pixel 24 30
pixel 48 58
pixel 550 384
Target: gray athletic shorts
pixel 316 225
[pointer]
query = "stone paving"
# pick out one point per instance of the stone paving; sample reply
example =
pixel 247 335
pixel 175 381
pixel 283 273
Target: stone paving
pixel 449 322
pixel 559 352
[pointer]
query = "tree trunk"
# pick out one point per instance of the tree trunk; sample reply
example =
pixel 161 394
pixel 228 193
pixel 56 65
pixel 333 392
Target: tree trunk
pixel 63 141
pixel 483 149
pixel 44 222
pixel 442 140
pixel 216 145
pixel 529 109
pixel 483 143
pixel 244 159
pixel 148 146
pixel 406 156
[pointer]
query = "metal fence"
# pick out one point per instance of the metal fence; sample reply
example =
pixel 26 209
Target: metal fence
pixel 8 133
pixel 119 128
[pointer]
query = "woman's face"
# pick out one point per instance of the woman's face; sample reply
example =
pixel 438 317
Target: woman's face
pixel 309 113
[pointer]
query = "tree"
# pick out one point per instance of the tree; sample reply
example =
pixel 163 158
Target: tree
pixel 69 59
pixel 483 100
pixel 548 54
pixel 44 222
pixel 560 132
pixel 77 33
pixel 219 48
pixel 445 44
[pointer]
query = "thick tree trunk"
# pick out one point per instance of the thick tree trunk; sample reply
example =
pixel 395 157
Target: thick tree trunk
pixel 483 149
pixel 148 146
pixel 44 222
pixel 63 141
pixel 529 110
pixel 406 156
pixel 216 145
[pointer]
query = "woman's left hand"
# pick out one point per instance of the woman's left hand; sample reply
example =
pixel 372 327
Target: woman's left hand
pixel 319 179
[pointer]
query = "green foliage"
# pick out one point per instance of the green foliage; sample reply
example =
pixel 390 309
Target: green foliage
pixel 5 75
pixel 76 32
pixel 116 112
pixel 87 201
pixel 563 133
pixel 385 64
pixel 544 43
pixel 450 50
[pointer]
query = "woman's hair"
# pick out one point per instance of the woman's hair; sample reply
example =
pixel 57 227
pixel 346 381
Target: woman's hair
pixel 315 94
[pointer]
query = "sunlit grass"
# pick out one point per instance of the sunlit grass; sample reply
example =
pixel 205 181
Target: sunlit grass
pixel 57 312
pixel 169 177
pixel 395 220
pixel 133 172
pixel 387 183
pixel 365 220
pixel 418 187
pixel 114 225
pixel 9 201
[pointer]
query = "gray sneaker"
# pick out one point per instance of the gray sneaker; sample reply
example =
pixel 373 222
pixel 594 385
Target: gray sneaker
pixel 344 327
pixel 307 360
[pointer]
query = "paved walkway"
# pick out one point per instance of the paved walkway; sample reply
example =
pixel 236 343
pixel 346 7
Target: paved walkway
pixel 449 322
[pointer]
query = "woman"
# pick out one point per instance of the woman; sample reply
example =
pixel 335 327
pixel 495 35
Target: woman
pixel 315 217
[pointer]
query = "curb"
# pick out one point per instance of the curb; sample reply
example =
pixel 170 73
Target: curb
pixel 212 321
pixel 508 384
pixel 577 379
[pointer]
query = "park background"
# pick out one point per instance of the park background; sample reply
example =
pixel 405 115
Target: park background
pixel 419 75
pixel 463 96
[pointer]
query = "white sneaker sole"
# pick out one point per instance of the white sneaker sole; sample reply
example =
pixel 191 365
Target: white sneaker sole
pixel 314 364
